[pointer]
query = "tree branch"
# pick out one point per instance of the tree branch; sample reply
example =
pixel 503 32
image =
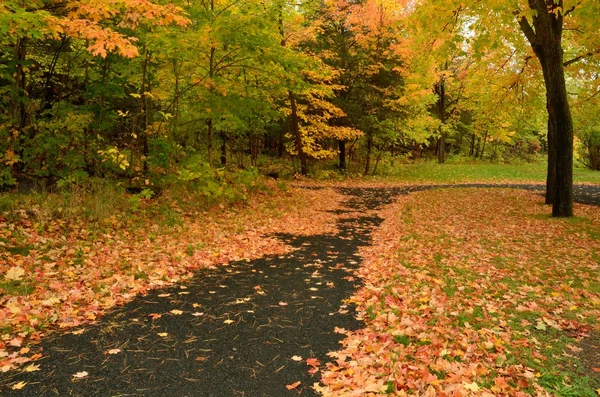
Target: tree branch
pixel 528 31
pixel 582 56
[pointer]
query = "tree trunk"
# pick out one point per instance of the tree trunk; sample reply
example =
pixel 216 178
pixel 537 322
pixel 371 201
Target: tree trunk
pixel 379 153
pixel 342 147
pixel 18 102
pixel 483 147
pixel 223 149
pixel 369 148
pixel 545 38
pixel 298 134
pixel 209 139
pixel 559 117
pixel 440 90
pixel 551 174
pixel 145 110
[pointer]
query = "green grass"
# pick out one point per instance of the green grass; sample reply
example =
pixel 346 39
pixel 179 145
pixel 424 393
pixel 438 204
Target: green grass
pixel 431 172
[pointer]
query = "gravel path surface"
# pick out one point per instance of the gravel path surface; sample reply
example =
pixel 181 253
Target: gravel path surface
pixel 230 331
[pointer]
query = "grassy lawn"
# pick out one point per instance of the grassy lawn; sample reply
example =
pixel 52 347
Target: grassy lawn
pixel 457 173
pixel 474 292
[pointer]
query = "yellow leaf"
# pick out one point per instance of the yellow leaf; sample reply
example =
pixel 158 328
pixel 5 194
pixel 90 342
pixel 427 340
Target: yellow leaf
pixel 81 374
pixel 114 351
pixel 228 322
pixel 176 312
pixel 32 368
pixel 15 273
pixel 296 358
pixel 474 387
pixel 162 334
pixel 18 386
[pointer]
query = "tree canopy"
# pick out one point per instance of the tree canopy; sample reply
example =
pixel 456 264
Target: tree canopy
pixel 147 90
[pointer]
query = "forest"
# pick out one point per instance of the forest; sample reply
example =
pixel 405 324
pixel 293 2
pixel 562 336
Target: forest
pixel 154 93
pixel 300 197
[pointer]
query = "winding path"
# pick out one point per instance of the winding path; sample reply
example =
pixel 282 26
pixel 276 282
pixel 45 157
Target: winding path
pixel 231 331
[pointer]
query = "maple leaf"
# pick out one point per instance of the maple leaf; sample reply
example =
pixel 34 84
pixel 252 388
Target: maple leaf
pixel 154 316
pixel 293 385
pixel 474 387
pixel 176 312
pixel 15 273
pixel 18 386
pixel 228 322
pixel 296 358
pixel 32 368
pixel 80 375
pixel 313 362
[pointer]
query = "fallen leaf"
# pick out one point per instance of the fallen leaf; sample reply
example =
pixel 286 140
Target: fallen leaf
pixel 296 358
pixel 197 314
pixel 18 386
pixel 78 332
pixel 228 322
pixel 474 387
pixel 15 273
pixel 114 351
pixel 81 374
pixel 163 334
pixel 176 312
pixel 293 385
pixel 32 368
pixel 313 362
pixel 283 304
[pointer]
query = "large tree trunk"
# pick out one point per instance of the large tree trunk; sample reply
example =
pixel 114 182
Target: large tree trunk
pixel 561 126
pixel 545 38
pixel 551 174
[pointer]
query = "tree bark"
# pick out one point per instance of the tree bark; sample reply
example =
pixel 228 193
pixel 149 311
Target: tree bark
pixel 342 147
pixel 440 90
pixel 298 134
pixel 545 38
pixel 223 149
pixel 369 148
pixel 551 173
pixel 144 110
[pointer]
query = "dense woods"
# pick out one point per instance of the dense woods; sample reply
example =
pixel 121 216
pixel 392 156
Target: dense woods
pixel 152 93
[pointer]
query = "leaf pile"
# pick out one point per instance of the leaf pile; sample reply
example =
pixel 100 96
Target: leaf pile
pixel 68 273
pixel 472 292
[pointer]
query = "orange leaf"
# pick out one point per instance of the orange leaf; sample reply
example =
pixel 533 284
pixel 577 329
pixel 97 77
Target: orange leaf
pixel 293 385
